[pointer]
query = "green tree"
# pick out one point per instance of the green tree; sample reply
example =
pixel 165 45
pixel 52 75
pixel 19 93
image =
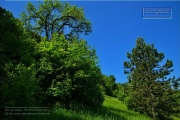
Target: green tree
pixel 69 72
pixel 175 83
pixel 123 92
pixel 150 91
pixel 53 16
pixel 108 85
pixel 13 49
pixel 17 71
pixel 15 46
pixel 176 91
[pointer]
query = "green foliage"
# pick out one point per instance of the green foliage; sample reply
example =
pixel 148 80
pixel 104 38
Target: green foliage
pixel 175 83
pixel 150 91
pixel 61 70
pixel 68 72
pixel 10 34
pixel 17 72
pixel 108 85
pixel 123 92
pixel 53 16
pixel 48 72
pixel 15 46
pixel 20 79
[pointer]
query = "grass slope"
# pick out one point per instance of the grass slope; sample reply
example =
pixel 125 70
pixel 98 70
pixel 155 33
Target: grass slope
pixel 113 109
pixel 119 108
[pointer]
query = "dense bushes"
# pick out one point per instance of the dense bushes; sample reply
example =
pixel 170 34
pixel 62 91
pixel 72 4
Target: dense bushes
pixel 18 83
pixel 68 72
pixel 109 86
pixel 19 87
pixel 38 72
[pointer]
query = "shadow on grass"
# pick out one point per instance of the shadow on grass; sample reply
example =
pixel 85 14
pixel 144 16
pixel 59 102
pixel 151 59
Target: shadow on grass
pixel 63 114
pixel 106 114
pixel 100 114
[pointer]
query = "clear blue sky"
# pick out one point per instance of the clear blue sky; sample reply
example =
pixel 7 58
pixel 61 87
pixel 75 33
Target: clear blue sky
pixel 116 26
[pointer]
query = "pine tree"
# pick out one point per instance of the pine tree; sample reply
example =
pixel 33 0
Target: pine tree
pixel 150 91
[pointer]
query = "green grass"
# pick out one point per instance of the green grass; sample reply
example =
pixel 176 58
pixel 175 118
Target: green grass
pixel 119 108
pixel 112 109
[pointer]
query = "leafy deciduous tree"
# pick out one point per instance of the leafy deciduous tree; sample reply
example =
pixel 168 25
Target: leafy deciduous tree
pixel 69 71
pixel 17 71
pixel 53 16
pixel 108 85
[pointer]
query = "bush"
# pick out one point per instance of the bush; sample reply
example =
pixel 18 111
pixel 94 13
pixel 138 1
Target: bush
pixel 19 87
pixel 68 72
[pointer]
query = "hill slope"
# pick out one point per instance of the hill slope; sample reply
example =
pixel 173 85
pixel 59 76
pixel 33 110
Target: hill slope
pixel 120 109
pixel 113 109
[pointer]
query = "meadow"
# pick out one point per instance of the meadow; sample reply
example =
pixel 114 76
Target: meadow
pixel 112 109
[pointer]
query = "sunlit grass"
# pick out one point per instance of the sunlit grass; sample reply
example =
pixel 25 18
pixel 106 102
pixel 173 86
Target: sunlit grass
pixel 119 108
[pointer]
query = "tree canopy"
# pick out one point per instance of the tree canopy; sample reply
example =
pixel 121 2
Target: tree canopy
pixel 108 85
pixel 70 72
pixel 49 72
pixel 53 16
pixel 17 71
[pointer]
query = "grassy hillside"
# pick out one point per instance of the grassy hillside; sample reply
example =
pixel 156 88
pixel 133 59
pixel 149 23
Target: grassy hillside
pixel 113 109
pixel 118 108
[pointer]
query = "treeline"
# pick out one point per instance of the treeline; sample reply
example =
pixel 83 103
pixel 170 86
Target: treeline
pixel 110 87
pixel 41 65
pixel 148 90
pixel 44 64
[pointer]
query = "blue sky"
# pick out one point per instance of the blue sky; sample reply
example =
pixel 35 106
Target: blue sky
pixel 116 26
